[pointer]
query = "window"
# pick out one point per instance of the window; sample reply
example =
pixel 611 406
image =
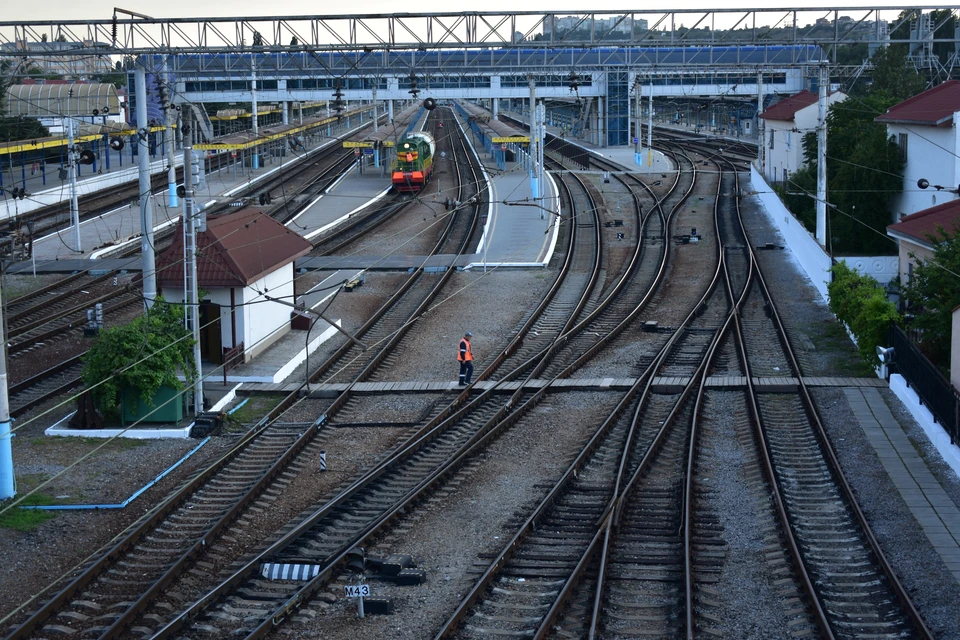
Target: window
pixel 787 136
pixel 786 176
pixel 902 143
pixel 771 138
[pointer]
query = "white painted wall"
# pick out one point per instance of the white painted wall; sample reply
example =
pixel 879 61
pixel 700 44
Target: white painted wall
pixel 812 258
pixel 264 322
pixel 932 153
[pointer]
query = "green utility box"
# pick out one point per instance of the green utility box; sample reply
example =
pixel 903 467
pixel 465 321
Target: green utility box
pixel 167 406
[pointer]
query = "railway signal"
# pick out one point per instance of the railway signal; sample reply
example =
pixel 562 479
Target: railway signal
pixel 413 84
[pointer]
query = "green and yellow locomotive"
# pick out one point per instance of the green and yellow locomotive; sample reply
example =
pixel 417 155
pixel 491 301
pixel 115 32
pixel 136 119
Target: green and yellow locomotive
pixel 414 162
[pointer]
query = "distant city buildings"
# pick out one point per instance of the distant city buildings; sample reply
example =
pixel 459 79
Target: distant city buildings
pixel 56 58
pixel 555 25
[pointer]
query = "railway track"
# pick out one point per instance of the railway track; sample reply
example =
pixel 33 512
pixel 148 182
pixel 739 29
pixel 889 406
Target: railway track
pixel 614 516
pixel 601 554
pixel 137 549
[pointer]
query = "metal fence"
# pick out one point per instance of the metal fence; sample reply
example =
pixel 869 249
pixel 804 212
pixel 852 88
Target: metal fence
pixel 934 390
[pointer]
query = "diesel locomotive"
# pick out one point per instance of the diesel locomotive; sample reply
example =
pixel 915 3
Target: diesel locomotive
pixel 414 162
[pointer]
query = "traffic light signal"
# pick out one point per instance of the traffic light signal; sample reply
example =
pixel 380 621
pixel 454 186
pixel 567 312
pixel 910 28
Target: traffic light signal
pixel 356 560
pixel 164 97
pixel 413 85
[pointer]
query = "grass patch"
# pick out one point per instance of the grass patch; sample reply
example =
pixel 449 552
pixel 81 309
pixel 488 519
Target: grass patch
pixel 833 339
pixel 27 519
pixel 255 408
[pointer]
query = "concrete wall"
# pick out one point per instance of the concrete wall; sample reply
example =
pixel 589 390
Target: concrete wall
pixel 812 258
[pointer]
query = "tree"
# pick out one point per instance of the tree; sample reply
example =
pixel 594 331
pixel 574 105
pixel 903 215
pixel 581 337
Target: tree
pixel 894 75
pixel 933 292
pixel 145 354
pixel 864 170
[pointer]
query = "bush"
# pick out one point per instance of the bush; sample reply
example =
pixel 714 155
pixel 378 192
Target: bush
pixel 861 303
pixel 145 354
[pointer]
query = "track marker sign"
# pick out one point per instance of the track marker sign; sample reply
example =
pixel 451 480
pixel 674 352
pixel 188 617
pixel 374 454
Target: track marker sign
pixel 357 590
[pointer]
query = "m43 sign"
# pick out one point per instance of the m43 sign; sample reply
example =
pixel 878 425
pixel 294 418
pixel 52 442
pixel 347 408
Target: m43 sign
pixel 357 590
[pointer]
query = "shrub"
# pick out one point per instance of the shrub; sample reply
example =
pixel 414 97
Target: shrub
pixel 861 303
pixel 145 354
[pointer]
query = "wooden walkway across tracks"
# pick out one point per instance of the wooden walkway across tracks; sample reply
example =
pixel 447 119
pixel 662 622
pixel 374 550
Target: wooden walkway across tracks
pixel 665 384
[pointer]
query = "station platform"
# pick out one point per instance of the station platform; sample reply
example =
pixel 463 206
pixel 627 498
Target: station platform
pixel 118 228
pixel 519 231
pixel 44 187
pixel 633 159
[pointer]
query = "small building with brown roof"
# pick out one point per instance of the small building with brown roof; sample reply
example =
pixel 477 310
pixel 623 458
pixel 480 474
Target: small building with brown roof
pixel 784 125
pixel 924 127
pixel 244 263
pixel 916 233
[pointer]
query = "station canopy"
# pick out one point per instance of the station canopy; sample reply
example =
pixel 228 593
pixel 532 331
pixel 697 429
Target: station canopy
pixel 62 99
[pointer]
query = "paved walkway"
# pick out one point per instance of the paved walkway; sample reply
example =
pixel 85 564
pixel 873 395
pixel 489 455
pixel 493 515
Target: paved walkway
pixel 931 506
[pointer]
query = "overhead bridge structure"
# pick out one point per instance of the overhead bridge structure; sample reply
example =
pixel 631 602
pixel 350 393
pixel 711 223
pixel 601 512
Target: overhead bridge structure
pixel 601 57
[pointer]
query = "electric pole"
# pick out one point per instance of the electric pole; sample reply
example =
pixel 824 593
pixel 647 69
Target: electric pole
pixel 149 267
pixel 190 296
pixel 72 158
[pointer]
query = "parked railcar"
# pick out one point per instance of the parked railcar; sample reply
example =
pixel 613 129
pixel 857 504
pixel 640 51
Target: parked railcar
pixel 414 162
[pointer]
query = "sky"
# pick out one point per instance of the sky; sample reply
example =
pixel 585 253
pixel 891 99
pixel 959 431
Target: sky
pixel 16 10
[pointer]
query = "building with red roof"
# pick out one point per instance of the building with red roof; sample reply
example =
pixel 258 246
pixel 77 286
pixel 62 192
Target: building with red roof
pixel 924 127
pixel 244 265
pixel 917 233
pixel 784 125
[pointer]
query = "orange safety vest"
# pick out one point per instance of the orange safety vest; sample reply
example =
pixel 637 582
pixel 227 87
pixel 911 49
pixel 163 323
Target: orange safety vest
pixel 464 355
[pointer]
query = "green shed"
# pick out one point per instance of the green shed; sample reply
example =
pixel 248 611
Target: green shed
pixel 167 406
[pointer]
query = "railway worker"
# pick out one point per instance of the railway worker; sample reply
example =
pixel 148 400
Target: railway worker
pixel 465 358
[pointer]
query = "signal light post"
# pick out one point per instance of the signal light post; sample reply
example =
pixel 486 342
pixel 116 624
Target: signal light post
pixel 72 158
